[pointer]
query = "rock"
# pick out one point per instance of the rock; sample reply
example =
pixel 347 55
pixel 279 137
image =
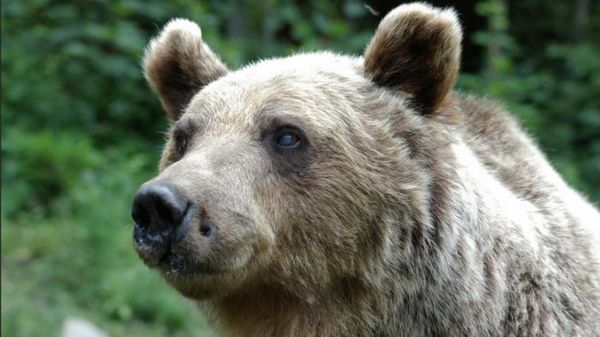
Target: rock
pixel 78 327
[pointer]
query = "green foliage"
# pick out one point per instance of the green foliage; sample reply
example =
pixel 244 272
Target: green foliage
pixel 41 165
pixel 81 130
pixel 81 263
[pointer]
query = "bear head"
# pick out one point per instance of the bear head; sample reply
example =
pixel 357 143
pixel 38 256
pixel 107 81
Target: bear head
pixel 293 174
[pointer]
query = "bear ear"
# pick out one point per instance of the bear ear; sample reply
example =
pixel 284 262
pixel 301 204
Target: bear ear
pixel 177 64
pixel 416 49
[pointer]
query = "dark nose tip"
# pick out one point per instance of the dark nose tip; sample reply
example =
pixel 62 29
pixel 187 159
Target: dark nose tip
pixel 158 207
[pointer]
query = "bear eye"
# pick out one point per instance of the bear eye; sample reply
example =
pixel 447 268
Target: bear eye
pixel 181 144
pixel 288 145
pixel 287 139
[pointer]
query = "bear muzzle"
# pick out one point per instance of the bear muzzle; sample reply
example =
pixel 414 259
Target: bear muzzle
pixel 163 217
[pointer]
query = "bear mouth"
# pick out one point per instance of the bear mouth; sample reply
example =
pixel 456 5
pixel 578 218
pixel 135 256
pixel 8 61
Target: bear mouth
pixel 159 251
pixel 174 265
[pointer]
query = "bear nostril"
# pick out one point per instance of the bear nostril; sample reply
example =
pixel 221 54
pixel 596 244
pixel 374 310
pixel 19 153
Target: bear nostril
pixel 205 230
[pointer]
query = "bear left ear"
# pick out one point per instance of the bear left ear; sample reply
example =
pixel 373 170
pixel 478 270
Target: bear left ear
pixel 178 64
pixel 416 49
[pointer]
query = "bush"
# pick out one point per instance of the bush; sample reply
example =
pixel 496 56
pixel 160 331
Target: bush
pixel 41 168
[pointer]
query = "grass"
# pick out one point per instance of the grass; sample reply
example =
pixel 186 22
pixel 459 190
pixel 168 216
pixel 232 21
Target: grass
pixel 78 260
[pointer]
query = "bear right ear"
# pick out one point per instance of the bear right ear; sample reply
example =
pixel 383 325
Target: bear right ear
pixel 416 49
pixel 177 64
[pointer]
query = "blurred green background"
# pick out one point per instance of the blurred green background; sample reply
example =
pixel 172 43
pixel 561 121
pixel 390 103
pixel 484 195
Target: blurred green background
pixel 81 129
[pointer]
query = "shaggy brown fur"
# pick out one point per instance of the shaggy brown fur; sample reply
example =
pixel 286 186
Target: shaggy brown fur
pixel 407 209
pixel 417 50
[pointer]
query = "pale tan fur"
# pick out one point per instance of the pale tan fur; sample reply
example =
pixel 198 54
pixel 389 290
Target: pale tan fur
pixel 414 211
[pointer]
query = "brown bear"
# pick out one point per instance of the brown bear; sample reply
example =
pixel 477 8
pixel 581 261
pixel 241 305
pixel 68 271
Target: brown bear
pixel 328 195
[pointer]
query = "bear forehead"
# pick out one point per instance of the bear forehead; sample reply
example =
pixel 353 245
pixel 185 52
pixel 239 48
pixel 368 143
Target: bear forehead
pixel 304 65
pixel 310 86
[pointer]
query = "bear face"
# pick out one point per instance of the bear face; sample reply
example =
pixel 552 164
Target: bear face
pixel 289 164
pixel 264 199
pixel 327 195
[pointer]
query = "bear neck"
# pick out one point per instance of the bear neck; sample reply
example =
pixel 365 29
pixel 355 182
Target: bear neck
pixel 275 312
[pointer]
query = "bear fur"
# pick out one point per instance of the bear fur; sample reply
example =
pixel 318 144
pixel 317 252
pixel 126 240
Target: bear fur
pixel 405 209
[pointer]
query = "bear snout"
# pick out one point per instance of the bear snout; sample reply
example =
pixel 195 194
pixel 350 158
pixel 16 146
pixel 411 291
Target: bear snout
pixel 161 213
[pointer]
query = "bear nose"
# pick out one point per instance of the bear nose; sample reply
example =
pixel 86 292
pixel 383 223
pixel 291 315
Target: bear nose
pixel 159 207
